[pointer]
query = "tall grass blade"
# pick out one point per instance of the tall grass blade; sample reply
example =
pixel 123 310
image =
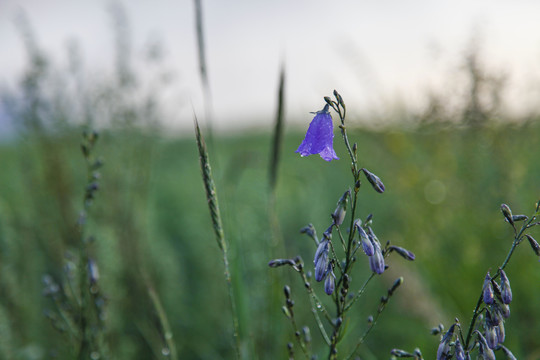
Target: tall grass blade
pixel 211 196
pixel 278 132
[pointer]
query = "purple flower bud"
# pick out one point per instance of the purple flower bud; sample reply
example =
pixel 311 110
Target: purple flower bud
pixel 459 352
pixel 501 335
pixel 534 244
pixel 484 350
pixel 406 254
pixel 488 290
pixel 310 231
pixel 491 337
pixel 319 138
pixel 330 282
pixel 506 291
pixel 374 180
pixel 321 260
pixel 93 272
pixel 444 346
pixel 367 246
pixel 376 261
pixel 339 214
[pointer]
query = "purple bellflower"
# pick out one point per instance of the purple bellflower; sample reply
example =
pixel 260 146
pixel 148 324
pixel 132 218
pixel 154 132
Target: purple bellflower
pixel 319 137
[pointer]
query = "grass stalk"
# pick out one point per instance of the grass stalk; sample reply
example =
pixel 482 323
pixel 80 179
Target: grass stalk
pixel 213 206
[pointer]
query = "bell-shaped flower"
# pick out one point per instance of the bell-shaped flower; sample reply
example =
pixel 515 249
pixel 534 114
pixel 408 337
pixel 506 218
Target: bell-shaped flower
pixel 320 137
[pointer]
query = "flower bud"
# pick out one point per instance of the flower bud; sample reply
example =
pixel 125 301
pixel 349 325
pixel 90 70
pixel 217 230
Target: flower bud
pixel 396 284
pixel 519 218
pixel 506 291
pixel 488 290
pixel 459 352
pixel 310 231
pixel 491 337
pixel 376 261
pixel 507 213
pixel 374 180
pixel 404 253
pixel 330 283
pixel 534 244
pixel 280 262
pixel 93 272
pixel 444 345
pixel 321 259
pixel 367 246
pixel 287 291
pixel 339 214
pixel 501 335
pixel 401 353
pixel 484 350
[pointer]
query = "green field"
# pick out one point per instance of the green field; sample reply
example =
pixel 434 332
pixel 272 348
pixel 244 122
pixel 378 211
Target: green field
pixel 152 230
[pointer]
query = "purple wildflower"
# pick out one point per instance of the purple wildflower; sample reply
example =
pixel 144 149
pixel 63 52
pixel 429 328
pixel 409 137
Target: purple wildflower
pixel 506 291
pixel 319 137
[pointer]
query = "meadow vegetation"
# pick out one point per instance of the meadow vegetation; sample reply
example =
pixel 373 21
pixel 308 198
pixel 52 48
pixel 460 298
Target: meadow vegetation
pixel 148 230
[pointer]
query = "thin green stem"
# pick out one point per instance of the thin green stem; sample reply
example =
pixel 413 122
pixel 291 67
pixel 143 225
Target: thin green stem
pixel 359 292
pixel 341 238
pixel 476 312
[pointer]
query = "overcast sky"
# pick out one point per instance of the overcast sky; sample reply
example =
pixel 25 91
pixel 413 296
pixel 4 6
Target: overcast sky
pixel 373 52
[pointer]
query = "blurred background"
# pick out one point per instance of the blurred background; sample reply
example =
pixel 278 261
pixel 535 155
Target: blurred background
pixel 442 100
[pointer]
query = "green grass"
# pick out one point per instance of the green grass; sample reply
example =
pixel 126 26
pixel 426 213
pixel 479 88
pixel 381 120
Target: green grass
pixel 150 218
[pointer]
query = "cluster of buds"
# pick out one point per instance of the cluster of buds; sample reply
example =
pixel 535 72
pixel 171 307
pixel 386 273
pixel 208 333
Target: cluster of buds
pixel 324 266
pixel 497 298
pixel 371 246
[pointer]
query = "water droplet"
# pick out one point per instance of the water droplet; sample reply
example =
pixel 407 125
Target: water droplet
pixel 165 351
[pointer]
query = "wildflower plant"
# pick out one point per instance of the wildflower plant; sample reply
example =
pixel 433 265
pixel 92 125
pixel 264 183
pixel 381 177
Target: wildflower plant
pixel 485 334
pixel 78 302
pixel 338 250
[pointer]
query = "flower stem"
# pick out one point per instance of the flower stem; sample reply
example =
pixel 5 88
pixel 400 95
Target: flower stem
pixel 515 243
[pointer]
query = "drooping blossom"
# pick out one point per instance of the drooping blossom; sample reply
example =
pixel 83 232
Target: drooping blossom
pixel 319 137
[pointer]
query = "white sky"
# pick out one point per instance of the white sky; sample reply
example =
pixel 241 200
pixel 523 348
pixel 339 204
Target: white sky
pixel 374 52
